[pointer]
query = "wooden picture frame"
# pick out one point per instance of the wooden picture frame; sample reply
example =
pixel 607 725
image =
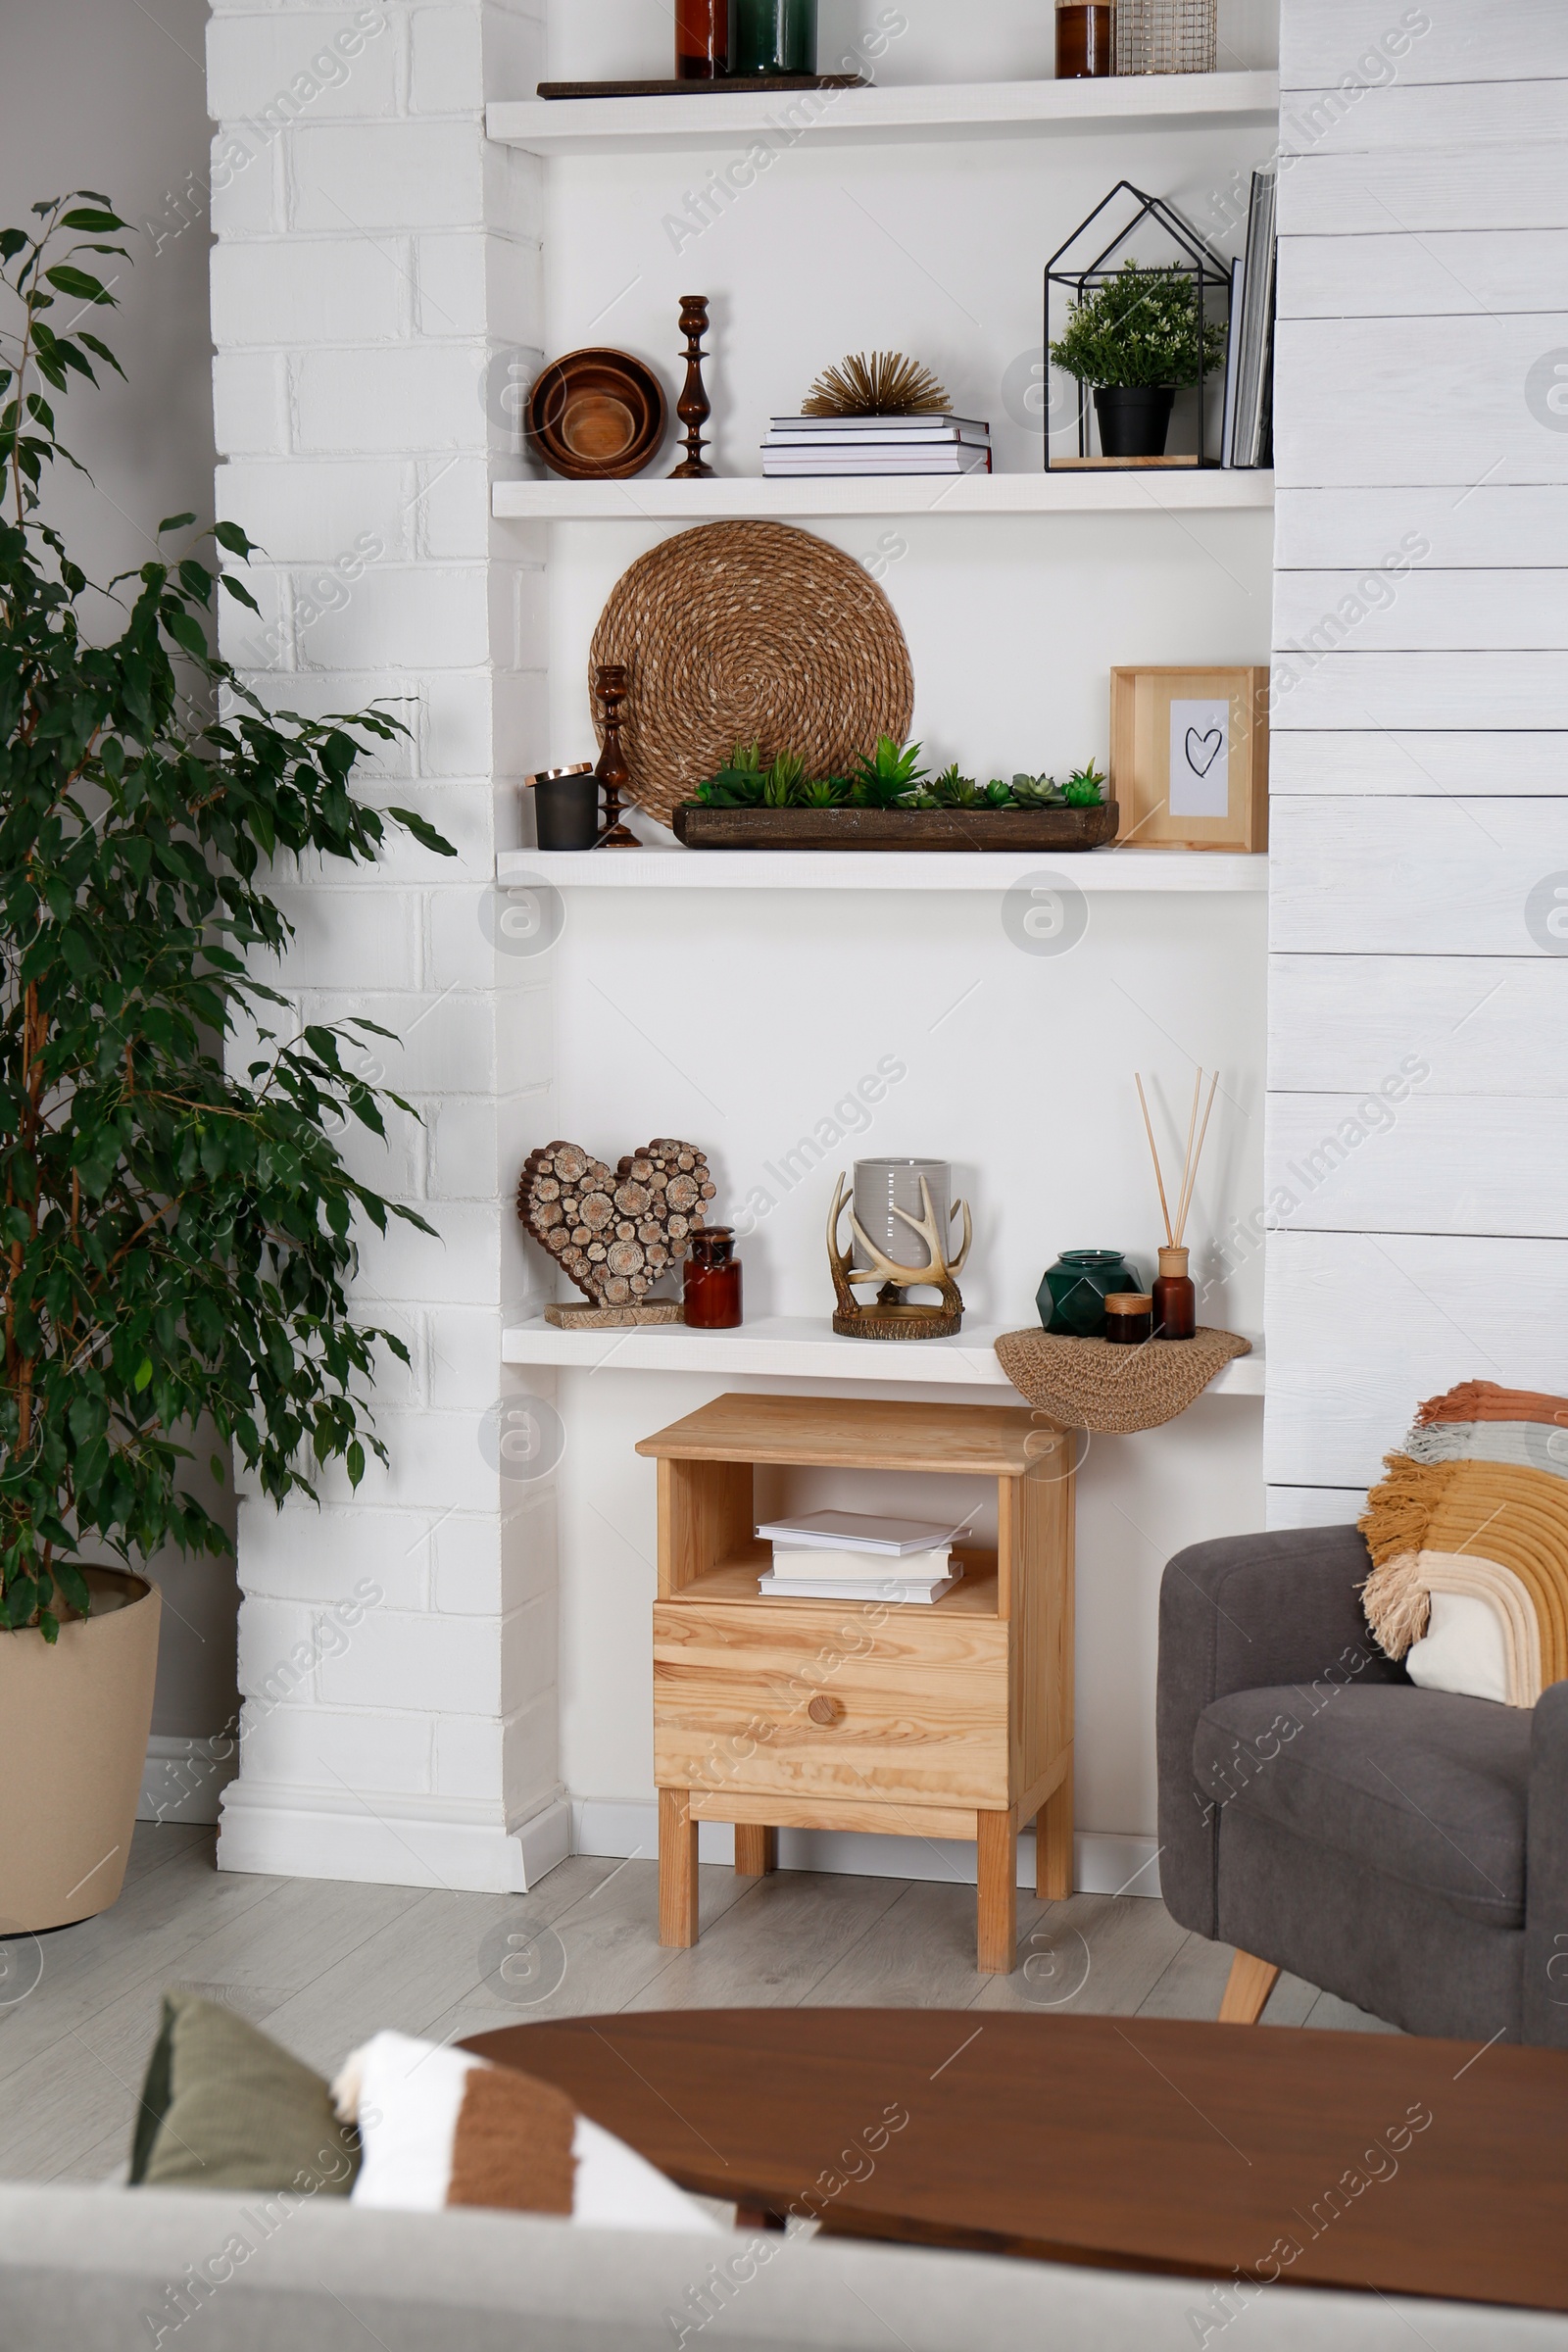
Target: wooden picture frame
pixel 1189 757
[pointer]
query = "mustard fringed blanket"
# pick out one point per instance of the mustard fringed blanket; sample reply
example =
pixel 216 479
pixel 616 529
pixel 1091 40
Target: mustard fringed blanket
pixel 1478 1505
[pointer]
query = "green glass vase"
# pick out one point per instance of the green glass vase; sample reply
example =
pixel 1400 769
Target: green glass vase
pixel 772 36
pixel 1072 1298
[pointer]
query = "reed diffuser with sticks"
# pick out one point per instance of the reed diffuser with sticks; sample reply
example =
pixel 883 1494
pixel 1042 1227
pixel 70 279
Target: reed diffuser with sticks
pixel 1175 1298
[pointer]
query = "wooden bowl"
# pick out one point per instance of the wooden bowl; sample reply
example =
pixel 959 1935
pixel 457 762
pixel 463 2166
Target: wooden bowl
pixel 597 415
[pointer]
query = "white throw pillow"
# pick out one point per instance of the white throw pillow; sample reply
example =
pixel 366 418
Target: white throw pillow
pixel 1462 1649
pixel 407 2097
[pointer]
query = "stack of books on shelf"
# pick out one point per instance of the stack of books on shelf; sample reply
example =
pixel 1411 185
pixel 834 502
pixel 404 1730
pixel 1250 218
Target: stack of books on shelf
pixel 1250 370
pixel 803 445
pixel 853 1555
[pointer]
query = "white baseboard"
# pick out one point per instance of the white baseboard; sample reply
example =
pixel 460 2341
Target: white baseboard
pixel 398 1842
pixel 1103 1863
pixel 183 1780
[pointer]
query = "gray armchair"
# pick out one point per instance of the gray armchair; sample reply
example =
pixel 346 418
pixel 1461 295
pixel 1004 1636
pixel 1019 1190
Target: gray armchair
pixel 1406 1849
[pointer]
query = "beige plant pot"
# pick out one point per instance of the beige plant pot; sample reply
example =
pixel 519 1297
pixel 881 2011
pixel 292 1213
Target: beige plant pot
pixel 73 1724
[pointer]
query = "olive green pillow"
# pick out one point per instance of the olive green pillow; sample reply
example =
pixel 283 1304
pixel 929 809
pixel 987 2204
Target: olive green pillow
pixel 223 2107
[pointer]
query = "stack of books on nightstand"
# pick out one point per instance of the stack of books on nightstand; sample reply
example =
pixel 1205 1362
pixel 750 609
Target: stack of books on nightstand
pixel 799 447
pixel 853 1555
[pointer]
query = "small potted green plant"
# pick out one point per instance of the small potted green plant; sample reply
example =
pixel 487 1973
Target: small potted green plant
pixel 178 1231
pixel 1138 339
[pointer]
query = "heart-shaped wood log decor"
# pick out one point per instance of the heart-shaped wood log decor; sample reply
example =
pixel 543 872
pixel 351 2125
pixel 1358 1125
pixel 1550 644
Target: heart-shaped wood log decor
pixel 616 1234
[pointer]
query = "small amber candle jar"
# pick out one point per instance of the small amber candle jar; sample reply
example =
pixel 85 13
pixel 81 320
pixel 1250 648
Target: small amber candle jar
pixel 702 41
pixel 713 1281
pixel 1085 31
pixel 1129 1318
pixel 1175 1299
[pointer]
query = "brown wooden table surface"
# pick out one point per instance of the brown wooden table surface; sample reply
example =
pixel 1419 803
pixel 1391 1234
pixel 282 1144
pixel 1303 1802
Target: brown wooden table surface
pixel 1350 2159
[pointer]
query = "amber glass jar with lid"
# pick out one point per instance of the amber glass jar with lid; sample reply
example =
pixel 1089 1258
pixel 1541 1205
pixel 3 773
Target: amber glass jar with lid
pixel 1129 1318
pixel 713 1281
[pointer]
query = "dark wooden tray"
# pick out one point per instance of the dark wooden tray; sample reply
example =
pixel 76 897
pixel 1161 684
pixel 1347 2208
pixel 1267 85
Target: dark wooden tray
pixel 1069 829
pixel 695 89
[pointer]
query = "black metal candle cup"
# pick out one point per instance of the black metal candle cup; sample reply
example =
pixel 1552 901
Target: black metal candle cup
pixel 565 803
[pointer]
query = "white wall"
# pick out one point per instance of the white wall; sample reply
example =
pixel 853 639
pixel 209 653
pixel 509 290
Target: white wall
pixel 374 251
pixel 1420 830
pixel 113 97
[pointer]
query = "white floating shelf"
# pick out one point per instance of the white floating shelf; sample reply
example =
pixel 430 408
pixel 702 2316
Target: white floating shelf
pixel 996 870
pixel 1150 490
pixel 805 1347
pixel 897 111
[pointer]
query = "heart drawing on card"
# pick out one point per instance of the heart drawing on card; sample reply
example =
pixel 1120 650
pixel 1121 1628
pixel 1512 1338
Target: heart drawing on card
pixel 1203 750
pixel 616 1234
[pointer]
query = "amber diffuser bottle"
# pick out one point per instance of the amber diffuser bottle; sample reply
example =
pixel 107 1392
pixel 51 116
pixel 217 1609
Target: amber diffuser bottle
pixel 1175 1299
pixel 702 39
pixel 713 1281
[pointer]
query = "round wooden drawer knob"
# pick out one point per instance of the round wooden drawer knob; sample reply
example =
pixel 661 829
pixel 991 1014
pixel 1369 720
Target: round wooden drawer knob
pixel 824 1709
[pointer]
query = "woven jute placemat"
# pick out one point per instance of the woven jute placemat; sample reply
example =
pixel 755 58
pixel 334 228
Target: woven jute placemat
pixel 1088 1384
pixel 751 632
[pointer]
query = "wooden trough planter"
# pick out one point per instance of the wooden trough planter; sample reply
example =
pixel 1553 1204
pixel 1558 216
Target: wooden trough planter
pixel 1059 829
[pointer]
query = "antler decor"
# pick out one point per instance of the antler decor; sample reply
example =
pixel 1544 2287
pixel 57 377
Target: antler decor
pixel 893 1318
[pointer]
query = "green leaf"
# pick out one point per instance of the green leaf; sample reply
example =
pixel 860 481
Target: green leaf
pixel 425 834
pixel 66 279
pixel 238 591
pixel 172 522
pixel 230 535
pixel 144 1374
pixel 96 224
pixel 101 351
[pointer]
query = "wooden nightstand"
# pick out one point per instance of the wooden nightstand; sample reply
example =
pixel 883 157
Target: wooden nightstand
pixel 953 1721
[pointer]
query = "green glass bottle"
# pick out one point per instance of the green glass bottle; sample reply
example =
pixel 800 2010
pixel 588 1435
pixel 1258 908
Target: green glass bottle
pixel 772 36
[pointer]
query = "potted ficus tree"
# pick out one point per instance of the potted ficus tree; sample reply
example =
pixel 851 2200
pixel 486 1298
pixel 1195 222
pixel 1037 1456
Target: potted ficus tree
pixel 1138 339
pixel 178 1236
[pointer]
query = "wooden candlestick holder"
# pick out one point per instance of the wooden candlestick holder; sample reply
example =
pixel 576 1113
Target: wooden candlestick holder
pixel 694 407
pixel 612 684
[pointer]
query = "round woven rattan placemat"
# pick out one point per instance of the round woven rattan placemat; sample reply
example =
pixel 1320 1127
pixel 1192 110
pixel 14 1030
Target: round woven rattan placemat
pixel 1088 1384
pixel 751 632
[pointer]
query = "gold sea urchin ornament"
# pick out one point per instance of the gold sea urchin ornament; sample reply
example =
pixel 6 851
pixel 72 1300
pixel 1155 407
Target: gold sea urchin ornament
pixel 885 384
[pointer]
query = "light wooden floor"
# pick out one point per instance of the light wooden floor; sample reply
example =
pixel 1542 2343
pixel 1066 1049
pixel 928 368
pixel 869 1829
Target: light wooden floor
pixel 323 1966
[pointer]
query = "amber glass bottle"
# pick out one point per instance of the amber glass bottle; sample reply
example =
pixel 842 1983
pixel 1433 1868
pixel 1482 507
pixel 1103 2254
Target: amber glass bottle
pixel 1084 39
pixel 713 1281
pixel 1175 1299
pixel 702 39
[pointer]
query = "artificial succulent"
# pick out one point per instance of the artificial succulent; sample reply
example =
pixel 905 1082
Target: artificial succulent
pixel 1085 788
pixel 883 779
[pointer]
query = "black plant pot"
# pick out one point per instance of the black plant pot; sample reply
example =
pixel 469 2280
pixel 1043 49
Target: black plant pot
pixel 1134 418
pixel 566 811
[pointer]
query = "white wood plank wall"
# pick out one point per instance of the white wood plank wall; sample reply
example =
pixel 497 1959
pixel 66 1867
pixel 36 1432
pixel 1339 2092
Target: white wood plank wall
pixel 1418 1061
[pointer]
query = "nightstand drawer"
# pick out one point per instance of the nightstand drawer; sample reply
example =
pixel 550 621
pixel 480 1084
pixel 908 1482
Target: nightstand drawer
pixel 914 1710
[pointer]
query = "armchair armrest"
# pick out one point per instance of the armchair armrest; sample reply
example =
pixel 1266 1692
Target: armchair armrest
pixel 1244 1614
pixel 1546 1988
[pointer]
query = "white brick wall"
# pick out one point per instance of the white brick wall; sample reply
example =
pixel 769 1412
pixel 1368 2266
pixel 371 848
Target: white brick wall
pixel 398 1646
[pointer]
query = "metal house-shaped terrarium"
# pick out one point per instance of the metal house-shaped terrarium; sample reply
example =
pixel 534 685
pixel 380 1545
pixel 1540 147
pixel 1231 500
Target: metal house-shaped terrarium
pixel 1134 417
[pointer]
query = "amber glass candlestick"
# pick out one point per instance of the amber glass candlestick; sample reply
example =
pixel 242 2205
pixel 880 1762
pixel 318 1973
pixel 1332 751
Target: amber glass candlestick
pixel 613 684
pixel 694 407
